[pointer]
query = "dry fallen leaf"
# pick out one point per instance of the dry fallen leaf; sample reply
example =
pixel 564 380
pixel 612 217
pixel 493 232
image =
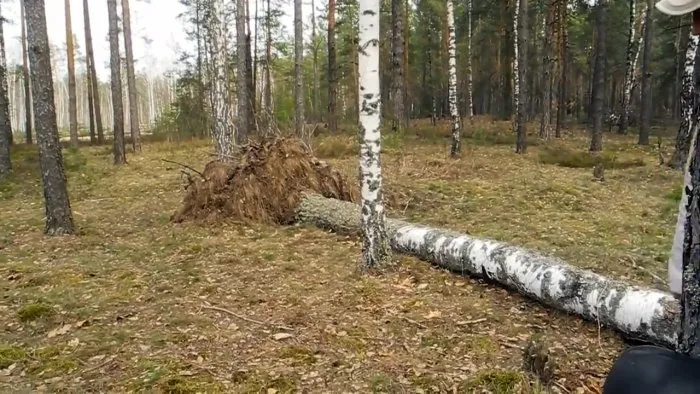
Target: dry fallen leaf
pixel 433 314
pixel 59 331
pixel 281 335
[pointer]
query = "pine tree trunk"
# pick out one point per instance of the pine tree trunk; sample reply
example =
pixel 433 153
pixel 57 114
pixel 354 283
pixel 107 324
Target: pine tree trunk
pixel 116 84
pixel 72 101
pixel 25 77
pixel 221 104
pixel 454 106
pixel 332 71
pixel 398 91
pixel 298 70
pixel 242 80
pixel 93 73
pixel 629 72
pixel 545 125
pixel 375 248
pixel 254 93
pixel 516 66
pixel 564 60
pixel 521 68
pixel 687 98
pixel 646 109
pixel 267 77
pixel 250 85
pixel 5 124
pixel 59 218
pixel 599 71
pixel 90 101
pixel 314 48
pixel 131 78
pixel 470 69
pixel 675 95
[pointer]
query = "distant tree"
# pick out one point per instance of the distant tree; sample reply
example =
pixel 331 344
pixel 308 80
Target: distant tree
pixel 242 82
pixel 116 84
pixel 131 78
pixel 398 93
pixel 93 82
pixel 25 76
pixel 332 70
pixel 298 69
pixel 599 71
pixel 221 103
pixel 5 125
pixel 645 110
pixel 70 56
pixel 59 218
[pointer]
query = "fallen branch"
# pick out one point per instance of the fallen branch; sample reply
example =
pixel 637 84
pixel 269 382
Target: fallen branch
pixel 185 166
pixel 421 325
pixel 641 313
pixel 249 320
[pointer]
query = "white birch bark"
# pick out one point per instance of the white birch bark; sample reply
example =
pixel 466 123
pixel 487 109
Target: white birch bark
pixel 640 44
pixel 470 70
pixel 452 88
pixel 632 59
pixel 641 313
pixel 375 250
pixel 516 69
pixel 222 116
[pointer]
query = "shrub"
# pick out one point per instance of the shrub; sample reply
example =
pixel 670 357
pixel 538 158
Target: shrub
pixel 576 159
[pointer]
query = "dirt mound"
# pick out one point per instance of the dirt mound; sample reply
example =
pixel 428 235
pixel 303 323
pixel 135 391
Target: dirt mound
pixel 263 183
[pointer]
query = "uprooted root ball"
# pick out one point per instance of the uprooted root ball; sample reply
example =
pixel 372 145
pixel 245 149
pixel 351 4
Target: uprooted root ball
pixel 263 183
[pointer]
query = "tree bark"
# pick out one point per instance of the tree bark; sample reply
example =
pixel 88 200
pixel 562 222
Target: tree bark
pixel 646 109
pixel 72 101
pixel 521 68
pixel 545 125
pixel 267 90
pixel 454 105
pixel 250 85
pixel 640 313
pixel 599 71
pixel 564 59
pixel 375 249
pixel 298 70
pixel 332 71
pixel 116 84
pixel 516 65
pixel 91 102
pixel 59 218
pixel 470 69
pixel 5 125
pixel 687 98
pixel 221 104
pixel 629 72
pixel 242 80
pixel 25 77
pixel 314 63
pixel 131 78
pixel 93 73
pixel 398 91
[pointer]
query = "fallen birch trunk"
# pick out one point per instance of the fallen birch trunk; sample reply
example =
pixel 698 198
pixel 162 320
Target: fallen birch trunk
pixel 640 313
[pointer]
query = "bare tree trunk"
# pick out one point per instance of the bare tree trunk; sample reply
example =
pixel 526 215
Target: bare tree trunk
pixel 521 68
pixel 223 127
pixel 629 72
pixel 314 48
pixel 687 99
pixel 242 80
pixel 25 77
pixel 131 78
pixel 298 70
pixel 470 69
pixel 454 106
pixel 545 125
pixel 91 101
pixel 255 65
pixel 59 218
pixel 516 66
pixel 267 93
pixel 70 55
pixel 250 85
pixel 332 72
pixel 599 71
pixel 564 59
pixel 116 85
pixel 646 110
pixel 675 95
pixel 93 73
pixel 375 247
pixel 5 124
pixel 398 94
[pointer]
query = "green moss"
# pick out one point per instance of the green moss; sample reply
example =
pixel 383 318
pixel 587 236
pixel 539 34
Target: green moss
pixel 33 312
pixel 381 384
pixel 301 355
pixel 496 381
pixel 10 355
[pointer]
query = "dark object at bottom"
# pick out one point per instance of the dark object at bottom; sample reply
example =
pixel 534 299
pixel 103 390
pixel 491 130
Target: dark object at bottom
pixel 653 370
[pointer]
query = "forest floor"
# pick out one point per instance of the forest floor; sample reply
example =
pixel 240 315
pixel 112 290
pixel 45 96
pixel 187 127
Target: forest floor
pixel 136 302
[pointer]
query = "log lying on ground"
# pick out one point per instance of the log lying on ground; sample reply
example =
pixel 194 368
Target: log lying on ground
pixel 640 313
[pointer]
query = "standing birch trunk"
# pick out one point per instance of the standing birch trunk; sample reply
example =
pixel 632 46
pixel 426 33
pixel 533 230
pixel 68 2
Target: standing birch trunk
pixel 59 218
pixel 646 110
pixel 5 125
pixel 72 101
pixel 687 96
pixel 452 61
pixel 521 68
pixel 242 80
pixel 599 77
pixel 93 73
pixel 470 70
pixel 116 84
pixel 516 65
pixel 629 72
pixel 25 77
pixel 398 94
pixel 221 104
pixel 375 247
pixel 131 78
pixel 332 72
pixel 298 70
pixel 545 125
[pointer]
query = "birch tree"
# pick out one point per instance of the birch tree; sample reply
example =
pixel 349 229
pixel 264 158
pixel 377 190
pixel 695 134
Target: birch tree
pixel 92 73
pixel 221 105
pixel 25 76
pixel 332 70
pixel 629 71
pixel 398 94
pixel 645 110
pixel 267 90
pixel 687 98
pixel 298 69
pixel 452 62
pixel 545 125
pixel 470 70
pixel 521 68
pixel 5 125
pixel 375 247
pixel 599 76
pixel 116 85
pixel 242 80
pixel 131 78
pixel 59 218
pixel 516 65
pixel 314 65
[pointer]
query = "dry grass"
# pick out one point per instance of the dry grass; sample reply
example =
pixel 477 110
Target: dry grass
pixel 122 307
